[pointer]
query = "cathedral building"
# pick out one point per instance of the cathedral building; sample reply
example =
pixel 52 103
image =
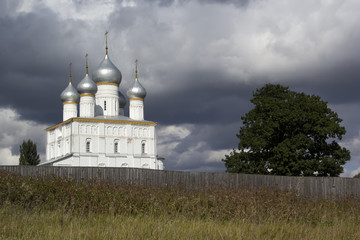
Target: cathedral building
pixel 100 135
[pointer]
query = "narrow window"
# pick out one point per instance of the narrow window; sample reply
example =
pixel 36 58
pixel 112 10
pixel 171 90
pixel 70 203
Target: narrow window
pixel 52 151
pixel 87 145
pixel 143 147
pixel 67 150
pixel 116 146
pixel 104 105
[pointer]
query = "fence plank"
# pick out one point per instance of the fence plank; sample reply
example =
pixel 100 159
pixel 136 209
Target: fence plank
pixel 317 187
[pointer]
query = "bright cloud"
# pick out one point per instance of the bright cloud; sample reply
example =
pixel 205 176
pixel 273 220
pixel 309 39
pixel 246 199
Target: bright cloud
pixel 13 131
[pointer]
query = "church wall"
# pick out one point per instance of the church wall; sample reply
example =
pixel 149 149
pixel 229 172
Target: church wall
pixel 59 142
pixel 73 137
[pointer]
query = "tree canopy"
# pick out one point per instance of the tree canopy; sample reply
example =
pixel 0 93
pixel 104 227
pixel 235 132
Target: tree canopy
pixel 357 176
pixel 28 153
pixel 288 133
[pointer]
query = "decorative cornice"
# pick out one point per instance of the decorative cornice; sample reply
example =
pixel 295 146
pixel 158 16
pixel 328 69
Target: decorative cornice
pixel 112 121
pixel 57 125
pixel 69 103
pixel 86 95
pixel 99 121
pixel 107 83
pixel 139 99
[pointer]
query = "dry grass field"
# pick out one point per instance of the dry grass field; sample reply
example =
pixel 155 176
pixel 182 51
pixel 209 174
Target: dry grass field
pixel 55 208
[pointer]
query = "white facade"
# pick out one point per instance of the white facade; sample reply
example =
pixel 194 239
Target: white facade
pixel 101 136
pixel 102 143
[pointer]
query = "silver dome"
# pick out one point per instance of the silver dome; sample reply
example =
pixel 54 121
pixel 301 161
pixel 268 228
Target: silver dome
pixel 122 100
pixel 87 85
pixel 106 72
pixel 136 91
pixel 70 94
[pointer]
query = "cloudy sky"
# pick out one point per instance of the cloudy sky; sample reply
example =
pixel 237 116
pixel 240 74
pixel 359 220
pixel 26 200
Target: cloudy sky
pixel 199 60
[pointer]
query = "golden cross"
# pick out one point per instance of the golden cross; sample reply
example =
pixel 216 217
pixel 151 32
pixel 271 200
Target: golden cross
pixel 70 73
pixel 106 35
pixel 86 57
pixel 136 71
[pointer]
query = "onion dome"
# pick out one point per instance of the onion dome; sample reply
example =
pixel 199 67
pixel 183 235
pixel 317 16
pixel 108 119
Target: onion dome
pixel 87 85
pixel 137 90
pixel 122 100
pixel 70 94
pixel 106 72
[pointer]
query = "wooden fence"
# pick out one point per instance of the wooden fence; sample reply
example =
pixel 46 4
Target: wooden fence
pixel 319 187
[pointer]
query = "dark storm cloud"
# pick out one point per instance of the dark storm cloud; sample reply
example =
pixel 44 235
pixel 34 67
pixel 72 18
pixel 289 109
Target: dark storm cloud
pixel 337 84
pixel 8 6
pixel 204 97
pixel 36 49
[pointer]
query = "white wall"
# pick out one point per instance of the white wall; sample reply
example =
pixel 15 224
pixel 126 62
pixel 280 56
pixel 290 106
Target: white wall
pixel 71 138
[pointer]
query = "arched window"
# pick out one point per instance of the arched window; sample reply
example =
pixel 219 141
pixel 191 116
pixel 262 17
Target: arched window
pixel 88 145
pixel 143 147
pixel 116 146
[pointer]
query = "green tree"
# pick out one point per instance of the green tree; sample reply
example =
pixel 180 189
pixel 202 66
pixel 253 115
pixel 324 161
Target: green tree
pixel 357 175
pixel 28 153
pixel 288 133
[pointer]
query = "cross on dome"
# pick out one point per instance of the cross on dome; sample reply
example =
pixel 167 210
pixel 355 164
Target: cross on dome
pixel 106 35
pixel 86 57
pixel 136 71
pixel 70 73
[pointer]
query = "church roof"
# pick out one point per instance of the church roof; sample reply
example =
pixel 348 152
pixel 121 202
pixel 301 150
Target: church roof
pixel 70 94
pixel 107 72
pixel 105 119
pixel 87 85
pixel 137 90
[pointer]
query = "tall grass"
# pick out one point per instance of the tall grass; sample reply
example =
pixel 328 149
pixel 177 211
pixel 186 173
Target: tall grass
pixel 60 205
pixel 15 223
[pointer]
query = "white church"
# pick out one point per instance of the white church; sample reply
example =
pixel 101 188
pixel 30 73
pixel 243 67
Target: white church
pixel 100 135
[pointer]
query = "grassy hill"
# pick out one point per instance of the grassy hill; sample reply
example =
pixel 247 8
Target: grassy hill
pixel 56 208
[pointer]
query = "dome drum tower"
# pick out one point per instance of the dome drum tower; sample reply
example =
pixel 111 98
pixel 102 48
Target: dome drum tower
pixel 107 78
pixel 70 98
pixel 87 89
pixel 136 95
